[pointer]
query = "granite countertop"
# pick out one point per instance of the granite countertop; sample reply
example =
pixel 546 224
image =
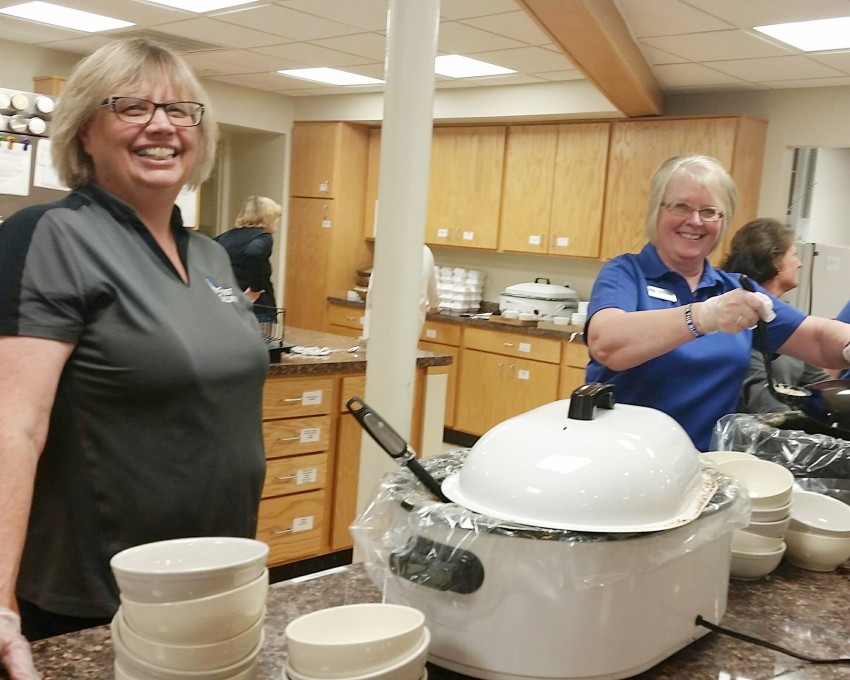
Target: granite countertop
pixel 801 610
pixel 340 360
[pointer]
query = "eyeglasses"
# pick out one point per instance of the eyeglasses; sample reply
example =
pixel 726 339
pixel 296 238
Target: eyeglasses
pixel 709 214
pixel 141 111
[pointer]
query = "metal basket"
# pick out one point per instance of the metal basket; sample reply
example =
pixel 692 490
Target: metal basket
pixel 271 329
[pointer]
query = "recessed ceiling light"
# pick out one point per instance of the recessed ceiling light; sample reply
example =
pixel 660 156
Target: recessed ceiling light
pixel 456 66
pixel 812 36
pixel 330 76
pixel 199 6
pixel 56 15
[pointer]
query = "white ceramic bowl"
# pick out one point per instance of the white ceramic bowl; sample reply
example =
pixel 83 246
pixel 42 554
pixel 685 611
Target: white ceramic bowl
pixel 820 514
pixel 781 512
pixel 411 667
pixel 749 566
pixel 189 657
pixel 353 640
pixel 129 667
pixel 816 552
pixel 714 457
pixel 187 568
pixel 202 621
pixel 772 529
pixel 769 484
pixel 746 542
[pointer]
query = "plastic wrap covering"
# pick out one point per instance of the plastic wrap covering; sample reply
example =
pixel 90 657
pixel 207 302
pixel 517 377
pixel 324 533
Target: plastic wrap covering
pixel 812 453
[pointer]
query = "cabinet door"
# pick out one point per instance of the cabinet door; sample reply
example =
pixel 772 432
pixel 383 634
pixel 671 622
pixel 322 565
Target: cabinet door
pixel 637 149
pixel 372 175
pixel 314 149
pixel 346 474
pixel 578 190
pixel 307 247
pixel 451 385
pixel 293 526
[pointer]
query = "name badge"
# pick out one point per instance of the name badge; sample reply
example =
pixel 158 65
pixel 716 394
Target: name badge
pixel 661 293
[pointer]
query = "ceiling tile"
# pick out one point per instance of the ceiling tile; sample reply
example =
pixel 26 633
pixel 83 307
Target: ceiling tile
pixel 309 54
pixel 369 15
pixel 235 61
pixel 218 33
pixel 673 75
pixel 527 59
pixel 717 45
pixel 843 81
pixel 791 68
pixel 647 18
pixel 457 38
pixel 748 13
pixel 370 46
pixel 515 25
pixel 286 22
pixel 464 9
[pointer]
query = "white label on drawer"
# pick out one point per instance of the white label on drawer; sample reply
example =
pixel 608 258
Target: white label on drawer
pixel 326 224
pixel 442 233
pixel 469 236
pixel 430 333
pixel 562 241
pixel 534 240
pixel 323 187
pixel 524 347
pixel 311 397
pixel 310 434
pixel 522 374
pixel 302 524
pixel 306 476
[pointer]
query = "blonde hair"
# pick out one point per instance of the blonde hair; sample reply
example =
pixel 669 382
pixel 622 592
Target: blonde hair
pixel 259 211
pixel 118 66
pixel 707 172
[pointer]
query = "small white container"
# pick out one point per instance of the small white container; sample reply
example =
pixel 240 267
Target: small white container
pixel 578 318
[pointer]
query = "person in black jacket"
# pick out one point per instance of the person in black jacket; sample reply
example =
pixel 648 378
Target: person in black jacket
pixel 249 245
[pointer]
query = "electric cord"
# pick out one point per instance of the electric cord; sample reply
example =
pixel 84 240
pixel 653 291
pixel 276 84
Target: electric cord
pixel 756 641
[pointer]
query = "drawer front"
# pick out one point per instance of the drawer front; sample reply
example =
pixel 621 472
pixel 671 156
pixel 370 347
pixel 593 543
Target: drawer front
pixel 350 317
pixel 352 386
pixel 292 526
pixel 288 397
pixel 575 354
pixel 443 333
pixel 295 474
pixel 296 435
pixel 513 344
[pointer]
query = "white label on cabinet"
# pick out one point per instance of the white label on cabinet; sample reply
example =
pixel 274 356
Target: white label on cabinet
pixel 534 240
pixel 311 397
pixel 430 333
pixel 442 233
pixel 306 476
pixel 469 236
pixel 562 241
pixel 302 524
pixel 524 347
pixel 326 224
pixel 522 374
pixel 324 187
pixel 309 435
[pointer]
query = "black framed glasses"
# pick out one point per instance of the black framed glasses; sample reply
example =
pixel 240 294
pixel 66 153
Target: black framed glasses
pixel 141 111
pixel 707 214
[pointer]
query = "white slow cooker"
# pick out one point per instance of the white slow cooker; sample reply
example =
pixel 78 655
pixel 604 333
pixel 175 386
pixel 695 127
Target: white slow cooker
pixel 539 297
pixel 508 600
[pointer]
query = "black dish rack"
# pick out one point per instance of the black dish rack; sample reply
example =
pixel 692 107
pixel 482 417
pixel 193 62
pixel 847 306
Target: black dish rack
pixel 271 330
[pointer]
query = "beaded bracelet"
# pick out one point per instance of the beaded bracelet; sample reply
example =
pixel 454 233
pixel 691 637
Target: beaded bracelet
pixel 690 321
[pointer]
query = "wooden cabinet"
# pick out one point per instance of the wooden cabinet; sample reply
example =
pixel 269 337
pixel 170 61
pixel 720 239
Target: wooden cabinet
pixel 346 474
pixel 325 244
pixel 345 320
pixel 503 374
pixel 444 338
pixel 572 368
pixel 638 147
pixel 553 189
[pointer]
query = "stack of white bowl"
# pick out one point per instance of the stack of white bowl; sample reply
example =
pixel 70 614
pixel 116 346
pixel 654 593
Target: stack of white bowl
pixel 358 642
pixel 191 609
pixel 818 537
pixel 757 549
pixel 460 290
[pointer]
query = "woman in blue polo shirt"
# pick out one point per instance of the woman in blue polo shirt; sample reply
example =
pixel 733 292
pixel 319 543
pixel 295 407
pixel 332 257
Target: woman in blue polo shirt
pixel 670 331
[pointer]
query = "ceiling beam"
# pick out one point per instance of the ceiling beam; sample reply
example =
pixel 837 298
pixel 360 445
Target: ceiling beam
pixel 593 35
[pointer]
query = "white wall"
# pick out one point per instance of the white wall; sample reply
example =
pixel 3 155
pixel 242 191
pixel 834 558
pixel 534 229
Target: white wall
pixel 829 219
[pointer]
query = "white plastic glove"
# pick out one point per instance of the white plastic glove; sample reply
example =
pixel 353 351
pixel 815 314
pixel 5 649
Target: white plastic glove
pixel 14 649
pixel 733 312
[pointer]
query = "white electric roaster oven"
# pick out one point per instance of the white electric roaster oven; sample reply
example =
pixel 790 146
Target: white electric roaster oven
pixel 576 547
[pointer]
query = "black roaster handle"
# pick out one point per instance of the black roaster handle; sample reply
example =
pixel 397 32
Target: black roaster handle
pixel 585 400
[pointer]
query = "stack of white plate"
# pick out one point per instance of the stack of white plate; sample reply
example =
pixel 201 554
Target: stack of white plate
pixel 191 608
pixel 460 290
pixel 358 642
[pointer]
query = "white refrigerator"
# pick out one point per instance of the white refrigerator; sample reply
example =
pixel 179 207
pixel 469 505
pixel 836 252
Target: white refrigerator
pixel 824 279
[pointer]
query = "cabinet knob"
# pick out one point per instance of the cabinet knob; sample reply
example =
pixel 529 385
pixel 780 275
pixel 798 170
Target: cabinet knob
pixel 288 439
pixel 285 478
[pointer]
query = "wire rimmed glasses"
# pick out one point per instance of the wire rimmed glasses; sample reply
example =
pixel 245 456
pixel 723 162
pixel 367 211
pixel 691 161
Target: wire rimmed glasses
pixel 707 214
pixel 137 111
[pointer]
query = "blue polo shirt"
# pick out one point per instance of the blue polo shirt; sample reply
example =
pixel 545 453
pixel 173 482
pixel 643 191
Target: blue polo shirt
pixel 844 315
pixel 697 382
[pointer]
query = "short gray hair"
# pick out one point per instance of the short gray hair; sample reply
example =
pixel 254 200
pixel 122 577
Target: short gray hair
pixel 259 211
pixel 116 66
pixel 706 171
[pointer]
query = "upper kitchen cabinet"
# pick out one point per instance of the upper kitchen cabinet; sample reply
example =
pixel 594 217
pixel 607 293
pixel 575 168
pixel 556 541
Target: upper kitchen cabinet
pixel 325 244
pixel 465 186
pixel 554 187
pixel 638 147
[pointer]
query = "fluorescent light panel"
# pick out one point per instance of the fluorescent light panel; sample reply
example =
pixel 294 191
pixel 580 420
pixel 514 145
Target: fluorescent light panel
pixel 812 36
pixel 199 6
pixel 456 66
pixel 56 15
pixel 330 76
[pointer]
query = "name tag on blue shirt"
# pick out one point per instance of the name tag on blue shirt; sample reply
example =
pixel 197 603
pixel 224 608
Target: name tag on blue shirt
pixel 661 293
